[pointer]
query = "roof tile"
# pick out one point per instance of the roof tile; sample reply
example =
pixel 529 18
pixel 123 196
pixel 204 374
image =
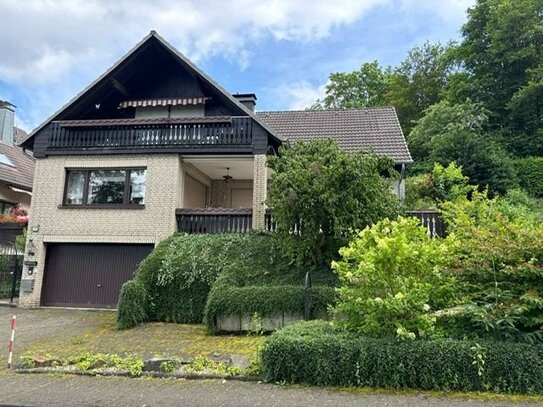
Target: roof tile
pixel 376 129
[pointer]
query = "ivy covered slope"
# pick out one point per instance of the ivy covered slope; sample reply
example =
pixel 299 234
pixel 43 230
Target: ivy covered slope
pixel 172 284
pixel 267 289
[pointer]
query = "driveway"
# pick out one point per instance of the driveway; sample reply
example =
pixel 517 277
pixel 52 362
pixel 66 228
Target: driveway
pixel 51 325
pixel 46 324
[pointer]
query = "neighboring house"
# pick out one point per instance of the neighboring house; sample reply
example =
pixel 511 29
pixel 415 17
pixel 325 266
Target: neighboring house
pixel 16 164
pixel 152 147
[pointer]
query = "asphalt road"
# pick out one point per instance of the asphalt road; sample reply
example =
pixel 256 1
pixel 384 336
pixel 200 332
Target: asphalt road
pixel 48 390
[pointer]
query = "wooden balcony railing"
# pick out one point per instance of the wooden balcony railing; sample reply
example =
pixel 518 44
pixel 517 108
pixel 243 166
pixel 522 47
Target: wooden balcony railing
pixel 214 220
pixel 230 220
pixel 132 133
pixel 432 221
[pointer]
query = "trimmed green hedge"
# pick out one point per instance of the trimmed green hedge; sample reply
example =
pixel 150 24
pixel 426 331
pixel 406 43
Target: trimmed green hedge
pixel 317 353
pixel 264 300
pixel 529 172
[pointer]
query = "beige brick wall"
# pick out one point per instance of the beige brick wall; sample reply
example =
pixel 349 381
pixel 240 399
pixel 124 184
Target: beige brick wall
pixel 164 189
pixel 260 186
pixel 221 191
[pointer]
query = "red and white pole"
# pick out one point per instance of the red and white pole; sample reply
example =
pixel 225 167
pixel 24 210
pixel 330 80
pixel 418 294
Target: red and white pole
pixel 11 340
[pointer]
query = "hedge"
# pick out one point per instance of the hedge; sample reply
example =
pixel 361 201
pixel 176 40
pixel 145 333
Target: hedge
pixel 317 353
pixel 264 300
pixel 529 172
pixel 179 273
pixel 132 305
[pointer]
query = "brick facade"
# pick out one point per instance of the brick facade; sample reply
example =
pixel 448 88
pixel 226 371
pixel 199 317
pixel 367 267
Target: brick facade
pixel 260 187
pixel 164 192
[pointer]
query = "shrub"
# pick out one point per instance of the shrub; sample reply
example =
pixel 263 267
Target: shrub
pixel 529 172
pixel 317 353
pixel 264 300
pixel 498 264
pixel 391 278
pixel 442 184
pixel 132 305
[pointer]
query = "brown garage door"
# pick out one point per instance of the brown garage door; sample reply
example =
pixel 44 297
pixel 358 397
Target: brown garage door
pixel 89 275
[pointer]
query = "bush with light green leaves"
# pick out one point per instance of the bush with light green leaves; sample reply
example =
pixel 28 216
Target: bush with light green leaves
pixel 392 279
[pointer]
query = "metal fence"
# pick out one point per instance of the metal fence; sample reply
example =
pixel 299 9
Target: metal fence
pixel 11 262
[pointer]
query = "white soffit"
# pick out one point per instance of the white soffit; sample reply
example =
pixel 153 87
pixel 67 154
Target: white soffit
pixel 215 167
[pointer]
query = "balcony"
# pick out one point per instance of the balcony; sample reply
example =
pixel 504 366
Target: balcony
pixel 173 134
pixel 239 220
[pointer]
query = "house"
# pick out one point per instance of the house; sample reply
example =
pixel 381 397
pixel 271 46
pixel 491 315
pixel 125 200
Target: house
pixel 16 174
pixel 155 146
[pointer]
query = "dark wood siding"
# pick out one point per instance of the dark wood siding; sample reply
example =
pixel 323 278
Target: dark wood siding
pixel 89 275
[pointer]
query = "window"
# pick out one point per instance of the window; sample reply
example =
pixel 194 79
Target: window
pixel 5 208
pixel 105 187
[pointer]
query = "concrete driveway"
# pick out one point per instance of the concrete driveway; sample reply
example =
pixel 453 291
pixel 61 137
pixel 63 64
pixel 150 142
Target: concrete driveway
pixel 35 325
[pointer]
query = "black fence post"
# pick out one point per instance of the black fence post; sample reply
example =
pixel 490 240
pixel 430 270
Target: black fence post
pixel 307 296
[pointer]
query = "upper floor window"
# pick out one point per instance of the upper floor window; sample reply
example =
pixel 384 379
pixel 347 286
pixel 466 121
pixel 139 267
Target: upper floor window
pixel 105 187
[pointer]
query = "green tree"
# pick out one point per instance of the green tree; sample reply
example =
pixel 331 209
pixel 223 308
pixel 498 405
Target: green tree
pixel 418 82
pixel 502 48
pixel 320 194
pixel 362 88
pixel 455 132
pixel 526 116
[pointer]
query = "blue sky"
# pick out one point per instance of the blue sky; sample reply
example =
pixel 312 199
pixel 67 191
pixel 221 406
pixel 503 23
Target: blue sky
pixel 283 50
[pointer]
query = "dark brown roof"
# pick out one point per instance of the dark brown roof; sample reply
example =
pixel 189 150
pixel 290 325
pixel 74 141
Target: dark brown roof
pixel 21 174
pixel 19 135
pixel 376 129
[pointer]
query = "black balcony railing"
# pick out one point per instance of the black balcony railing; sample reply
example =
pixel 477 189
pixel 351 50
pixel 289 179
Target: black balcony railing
pixel 214 220
pixel 123 134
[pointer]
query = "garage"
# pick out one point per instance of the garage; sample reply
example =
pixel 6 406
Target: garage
pixel 89 275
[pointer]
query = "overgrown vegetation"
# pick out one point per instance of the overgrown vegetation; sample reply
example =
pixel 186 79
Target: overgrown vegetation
pixel 498 261
pixel 320 194
pixel 484 280
pixel 268 287
pixel 173 282
pixel 391 279
pixel 427 191
pixel 318 353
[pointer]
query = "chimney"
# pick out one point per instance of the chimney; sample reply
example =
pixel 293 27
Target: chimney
pixel 247 99
pixel 7 122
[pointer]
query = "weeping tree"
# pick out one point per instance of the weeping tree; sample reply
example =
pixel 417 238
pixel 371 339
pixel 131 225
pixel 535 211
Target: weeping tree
pixel 320 195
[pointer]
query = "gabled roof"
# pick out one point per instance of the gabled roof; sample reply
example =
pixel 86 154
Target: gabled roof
pixel 376 129
pixel 21 171
pixel 180 58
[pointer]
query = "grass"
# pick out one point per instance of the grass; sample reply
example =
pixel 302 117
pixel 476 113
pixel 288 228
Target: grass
pixel 145 341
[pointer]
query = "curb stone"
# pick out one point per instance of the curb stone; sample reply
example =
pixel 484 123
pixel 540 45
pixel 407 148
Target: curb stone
pixel 186 376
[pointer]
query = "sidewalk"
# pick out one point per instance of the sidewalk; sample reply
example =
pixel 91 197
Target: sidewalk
pixel 67 391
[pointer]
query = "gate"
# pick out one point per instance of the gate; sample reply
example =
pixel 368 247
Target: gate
pixel 11 262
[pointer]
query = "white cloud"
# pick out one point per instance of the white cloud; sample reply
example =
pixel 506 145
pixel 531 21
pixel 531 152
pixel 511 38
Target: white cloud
pixel 43 40
pixel 448 10
pixel 299 95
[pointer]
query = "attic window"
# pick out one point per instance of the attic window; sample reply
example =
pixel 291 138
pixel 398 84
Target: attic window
pixel 5 160
pixel 163 102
